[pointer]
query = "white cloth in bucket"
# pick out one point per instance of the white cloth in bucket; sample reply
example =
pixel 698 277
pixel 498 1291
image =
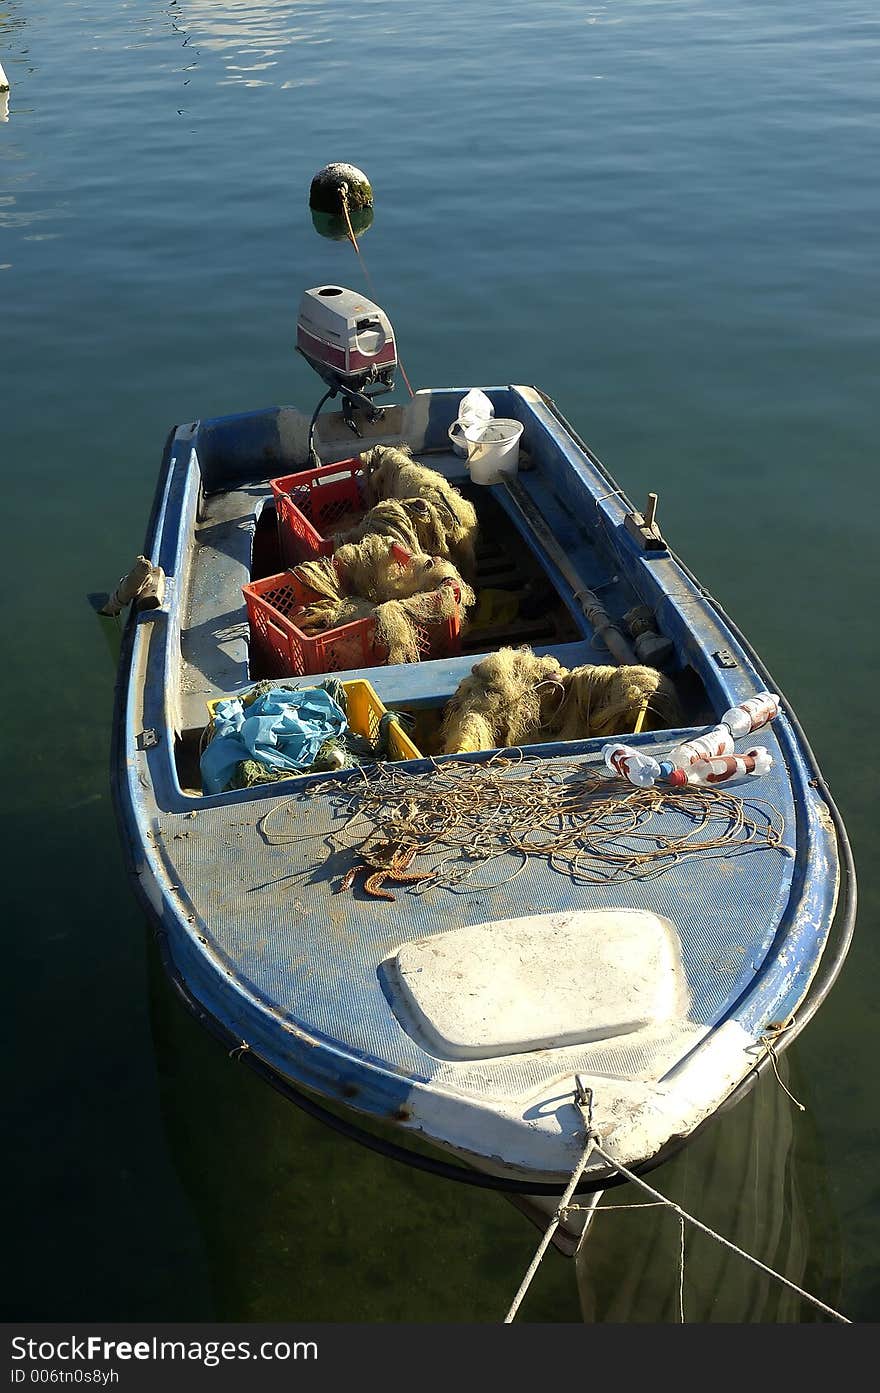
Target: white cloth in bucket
pixel 474 410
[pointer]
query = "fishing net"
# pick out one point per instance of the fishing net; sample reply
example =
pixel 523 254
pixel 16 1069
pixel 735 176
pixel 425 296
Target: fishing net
pixel 514 697
pixel 401 624
pixel 418 524
pixel 602 700
pixel 366 578
pixel 370 568
pixel 347 751
pixel 506 700
pixel 393 474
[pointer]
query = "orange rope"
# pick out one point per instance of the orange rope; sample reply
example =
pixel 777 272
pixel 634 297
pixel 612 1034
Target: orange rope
pixel 352 238
pixel 369 278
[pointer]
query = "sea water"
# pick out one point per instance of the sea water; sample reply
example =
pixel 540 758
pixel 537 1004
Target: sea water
pixel 663 214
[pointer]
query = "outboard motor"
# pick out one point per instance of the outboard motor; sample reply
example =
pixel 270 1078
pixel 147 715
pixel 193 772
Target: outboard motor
pixel 350 343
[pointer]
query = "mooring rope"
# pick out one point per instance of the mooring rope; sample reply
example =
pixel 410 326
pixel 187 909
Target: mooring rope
pixel 681 1275
pixel 583 1098
pixel 354 243
pixel 768 1040
pixel 584 1101
pixel 719 1238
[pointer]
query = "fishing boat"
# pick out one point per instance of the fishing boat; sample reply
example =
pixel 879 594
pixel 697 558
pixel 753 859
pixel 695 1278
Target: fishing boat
pixel 478 958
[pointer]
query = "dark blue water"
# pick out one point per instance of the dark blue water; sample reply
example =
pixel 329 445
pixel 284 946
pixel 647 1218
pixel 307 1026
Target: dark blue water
pixel 662 213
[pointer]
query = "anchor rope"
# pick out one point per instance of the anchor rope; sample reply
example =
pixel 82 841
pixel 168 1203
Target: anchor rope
pixel 354 243
pixel 584 1102
pixel 610 1208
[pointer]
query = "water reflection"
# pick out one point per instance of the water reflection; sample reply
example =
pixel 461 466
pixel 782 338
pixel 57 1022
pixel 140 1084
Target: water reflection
pixel 10 19
pixel 254 1168
pixel 251 37
pixel 301 1224
pixel 756 1177
pixel 9 23
pixel 334 226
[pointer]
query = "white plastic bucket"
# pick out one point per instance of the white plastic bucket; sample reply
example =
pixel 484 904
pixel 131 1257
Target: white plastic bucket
pixel 493 450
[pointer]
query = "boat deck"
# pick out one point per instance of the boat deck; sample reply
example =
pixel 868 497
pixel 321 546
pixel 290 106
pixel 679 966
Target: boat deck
pixel 270 915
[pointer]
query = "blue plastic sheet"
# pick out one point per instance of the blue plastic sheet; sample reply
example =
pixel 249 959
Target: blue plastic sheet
pixel 283 729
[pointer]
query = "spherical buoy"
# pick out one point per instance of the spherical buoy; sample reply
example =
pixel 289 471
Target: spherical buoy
pixel 335 180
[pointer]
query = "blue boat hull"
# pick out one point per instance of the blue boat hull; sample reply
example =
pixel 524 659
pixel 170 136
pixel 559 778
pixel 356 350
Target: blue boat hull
pixel 302 980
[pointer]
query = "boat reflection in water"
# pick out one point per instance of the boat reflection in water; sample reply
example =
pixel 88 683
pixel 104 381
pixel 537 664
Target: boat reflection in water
pixel 757 1177
pixel 293 1222
pixel 288 1230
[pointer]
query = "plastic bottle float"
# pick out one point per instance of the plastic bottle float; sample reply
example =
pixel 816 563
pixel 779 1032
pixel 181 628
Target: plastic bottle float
pixel 717 771
pixel 707 759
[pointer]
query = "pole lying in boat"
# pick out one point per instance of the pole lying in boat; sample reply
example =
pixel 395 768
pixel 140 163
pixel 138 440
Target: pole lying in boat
pixel 613 638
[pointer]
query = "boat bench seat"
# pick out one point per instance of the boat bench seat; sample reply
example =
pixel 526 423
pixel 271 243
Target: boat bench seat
pixel 410 685
pixel 433 683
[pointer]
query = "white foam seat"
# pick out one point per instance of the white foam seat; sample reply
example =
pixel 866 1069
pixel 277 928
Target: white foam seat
pixel 540 982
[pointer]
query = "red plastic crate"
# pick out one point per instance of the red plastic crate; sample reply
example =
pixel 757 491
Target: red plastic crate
pixel 315 502
pixel 272 607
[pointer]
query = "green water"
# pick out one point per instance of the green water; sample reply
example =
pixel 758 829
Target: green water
pixel 664 214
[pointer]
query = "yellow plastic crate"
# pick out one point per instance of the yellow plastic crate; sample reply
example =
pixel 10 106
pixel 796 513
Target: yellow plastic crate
pixel 365 711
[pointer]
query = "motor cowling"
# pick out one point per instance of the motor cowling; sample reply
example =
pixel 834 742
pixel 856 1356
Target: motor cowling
pixel 347 339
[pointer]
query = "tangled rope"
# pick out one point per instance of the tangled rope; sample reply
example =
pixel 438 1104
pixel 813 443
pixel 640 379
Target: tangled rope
pixel 585 826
